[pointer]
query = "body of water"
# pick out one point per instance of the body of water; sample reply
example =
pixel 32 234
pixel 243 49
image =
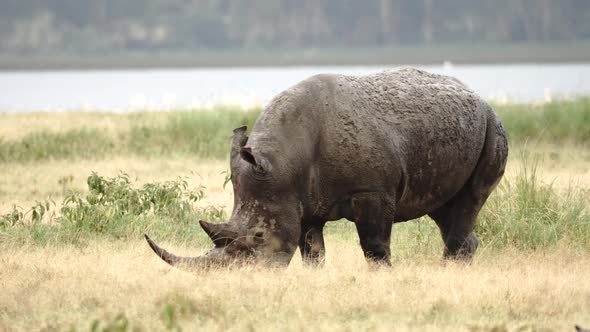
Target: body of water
pixel 162 89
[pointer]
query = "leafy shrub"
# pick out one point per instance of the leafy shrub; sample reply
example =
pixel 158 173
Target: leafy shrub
pixel 12 218
pixel 35 214
pixel 114 207
pixel 115 198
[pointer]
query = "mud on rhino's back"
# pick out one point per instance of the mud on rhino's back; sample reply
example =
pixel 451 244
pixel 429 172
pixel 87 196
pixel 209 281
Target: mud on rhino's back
pixel 408 132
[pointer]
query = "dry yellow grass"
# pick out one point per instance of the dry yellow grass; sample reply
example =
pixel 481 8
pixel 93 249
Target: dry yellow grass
pixel 56 289
pixel 15 126
pixel 562 165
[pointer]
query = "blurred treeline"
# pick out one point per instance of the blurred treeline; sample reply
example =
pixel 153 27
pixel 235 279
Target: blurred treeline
pixel 32 26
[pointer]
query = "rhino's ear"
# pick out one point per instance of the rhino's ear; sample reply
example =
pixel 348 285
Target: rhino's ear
pixel 246 154
pixel 259 163
pixel 238 140
pixel 240 131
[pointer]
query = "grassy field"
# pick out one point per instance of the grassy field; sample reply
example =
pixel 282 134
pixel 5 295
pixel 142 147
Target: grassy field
pixel 72 256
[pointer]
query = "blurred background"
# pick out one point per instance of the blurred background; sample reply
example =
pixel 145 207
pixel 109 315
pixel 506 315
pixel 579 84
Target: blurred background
pixel 116 118
pixel 176 54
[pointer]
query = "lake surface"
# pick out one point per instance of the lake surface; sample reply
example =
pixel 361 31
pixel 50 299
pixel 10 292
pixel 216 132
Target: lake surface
pixel 163 89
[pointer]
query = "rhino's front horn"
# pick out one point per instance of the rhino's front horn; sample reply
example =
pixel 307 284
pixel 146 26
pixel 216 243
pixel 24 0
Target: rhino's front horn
pixel 186 263
pixel 220 234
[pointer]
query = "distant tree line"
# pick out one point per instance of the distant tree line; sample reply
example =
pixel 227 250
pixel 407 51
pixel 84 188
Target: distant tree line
pixel 112 25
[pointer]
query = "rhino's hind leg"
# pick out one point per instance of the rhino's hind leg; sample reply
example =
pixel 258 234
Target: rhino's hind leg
pixel 375 241
pixel 373 217
pixel 311 243
pixel 456 219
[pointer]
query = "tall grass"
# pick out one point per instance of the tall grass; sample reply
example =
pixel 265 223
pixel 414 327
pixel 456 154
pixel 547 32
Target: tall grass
pixel 80 143
pixel 205 134
pixel 523 213
pixel 202 134
pixel 554 122
pixel 526 213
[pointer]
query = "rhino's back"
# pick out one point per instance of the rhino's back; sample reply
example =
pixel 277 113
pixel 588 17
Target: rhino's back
pixel 408 133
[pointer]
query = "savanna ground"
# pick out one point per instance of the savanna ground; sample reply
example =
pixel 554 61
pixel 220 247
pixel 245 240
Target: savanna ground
pixel 72 256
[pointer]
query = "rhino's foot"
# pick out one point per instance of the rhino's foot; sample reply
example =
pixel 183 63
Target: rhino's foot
pixel 372 214
pixel 456 221
pixel 377 252
pixel 314 259
pixel 311 244
pixel 461 249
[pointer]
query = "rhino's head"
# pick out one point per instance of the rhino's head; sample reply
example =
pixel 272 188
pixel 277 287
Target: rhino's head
pixel 265 222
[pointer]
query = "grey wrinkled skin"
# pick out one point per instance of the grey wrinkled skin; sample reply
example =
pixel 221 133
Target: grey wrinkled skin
pixel 376 150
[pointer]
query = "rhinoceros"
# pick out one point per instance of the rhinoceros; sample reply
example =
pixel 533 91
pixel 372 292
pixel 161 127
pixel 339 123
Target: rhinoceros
pixel 376 150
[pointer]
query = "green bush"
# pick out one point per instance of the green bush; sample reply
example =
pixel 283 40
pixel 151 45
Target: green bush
pixel 115 208
pixel 111 199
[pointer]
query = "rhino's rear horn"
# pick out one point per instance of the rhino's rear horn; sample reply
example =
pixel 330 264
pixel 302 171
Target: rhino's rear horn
pixel 220 234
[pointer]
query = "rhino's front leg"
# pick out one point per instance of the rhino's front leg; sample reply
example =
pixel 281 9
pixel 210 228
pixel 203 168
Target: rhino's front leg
pixel 373 217
pixel 311 243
